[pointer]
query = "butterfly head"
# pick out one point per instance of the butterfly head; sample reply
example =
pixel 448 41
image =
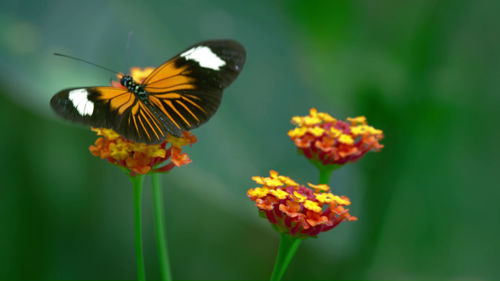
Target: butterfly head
pixel 127 81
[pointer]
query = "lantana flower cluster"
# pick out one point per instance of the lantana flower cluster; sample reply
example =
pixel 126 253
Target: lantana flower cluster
pixel 298 210
pixel 322 138
pixel 141 158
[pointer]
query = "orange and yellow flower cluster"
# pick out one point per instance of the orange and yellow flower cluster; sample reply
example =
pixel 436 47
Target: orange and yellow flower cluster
pixel 298 210
pixel 329 141
pixel 141 158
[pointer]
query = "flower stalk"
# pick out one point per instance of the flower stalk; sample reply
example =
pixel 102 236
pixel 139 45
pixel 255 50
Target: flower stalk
pixel 286 251
pixel 161 240
pixel 137 182
pixel 325 172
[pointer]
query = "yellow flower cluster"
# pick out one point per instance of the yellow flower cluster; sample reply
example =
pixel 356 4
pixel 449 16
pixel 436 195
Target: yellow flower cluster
pixel 296 209
pixel 141 158
pixel 322 138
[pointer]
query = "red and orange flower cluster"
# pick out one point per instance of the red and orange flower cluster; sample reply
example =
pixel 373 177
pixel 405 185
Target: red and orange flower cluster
pixel 298 210
pixel 322 138
pixel 141 158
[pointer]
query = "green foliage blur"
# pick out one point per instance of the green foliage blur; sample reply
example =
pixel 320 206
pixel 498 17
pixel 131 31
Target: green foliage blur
pixel 426 72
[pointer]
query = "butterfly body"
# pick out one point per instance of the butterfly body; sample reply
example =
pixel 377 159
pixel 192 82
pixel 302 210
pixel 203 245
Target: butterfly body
pixel 179 95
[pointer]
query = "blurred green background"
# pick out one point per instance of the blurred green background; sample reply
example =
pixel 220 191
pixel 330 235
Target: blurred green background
pixel 425 72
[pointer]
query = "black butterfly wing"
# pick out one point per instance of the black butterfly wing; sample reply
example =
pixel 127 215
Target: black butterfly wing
pixel 110 107
pixel 187 89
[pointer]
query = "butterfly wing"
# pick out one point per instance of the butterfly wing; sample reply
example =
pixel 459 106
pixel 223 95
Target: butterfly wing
pixel 110 107
pixel 187 90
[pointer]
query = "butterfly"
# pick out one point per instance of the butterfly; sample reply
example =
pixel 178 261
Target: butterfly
pixel 179 95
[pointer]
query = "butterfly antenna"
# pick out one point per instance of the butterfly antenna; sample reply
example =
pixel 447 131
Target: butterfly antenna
pixel 85 61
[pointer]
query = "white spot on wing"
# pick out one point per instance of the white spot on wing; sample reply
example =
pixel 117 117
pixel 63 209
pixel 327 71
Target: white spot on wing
pixel 204 57
pixel 80 101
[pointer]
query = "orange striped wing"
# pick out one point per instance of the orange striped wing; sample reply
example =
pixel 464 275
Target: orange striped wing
pixel 187 90
pixel 110 107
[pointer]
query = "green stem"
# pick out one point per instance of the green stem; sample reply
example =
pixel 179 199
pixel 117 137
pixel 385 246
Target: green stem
pixel 161 239
pixel 325 172
pixel 325 175
pixel 288 247
pixel 137 186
